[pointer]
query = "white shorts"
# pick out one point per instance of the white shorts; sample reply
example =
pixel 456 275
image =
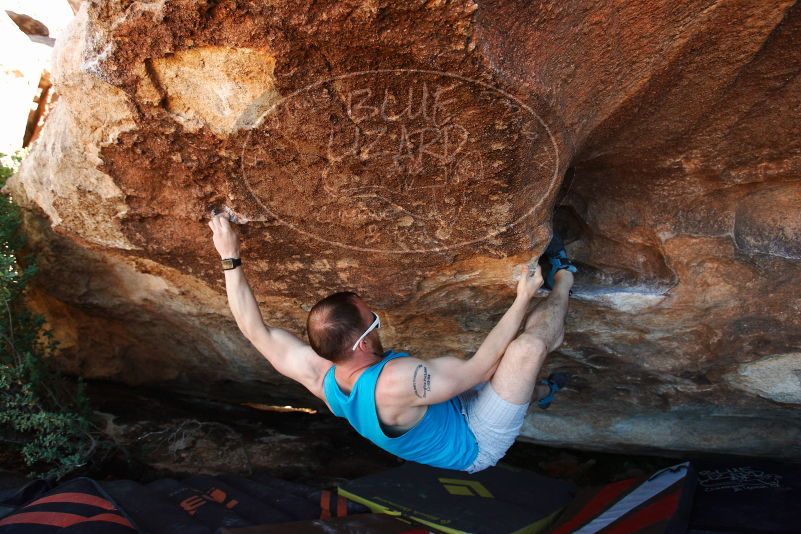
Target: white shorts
pixel 495 423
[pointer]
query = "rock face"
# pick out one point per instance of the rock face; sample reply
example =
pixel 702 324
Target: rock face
pixel 416 152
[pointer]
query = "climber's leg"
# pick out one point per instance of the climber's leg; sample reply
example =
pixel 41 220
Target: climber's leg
pixel 516 376
pixel 547 320
pixel 495 411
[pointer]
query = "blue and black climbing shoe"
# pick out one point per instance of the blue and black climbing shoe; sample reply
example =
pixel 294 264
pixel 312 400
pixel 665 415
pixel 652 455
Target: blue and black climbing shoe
pixel 555 259
pixel 555 382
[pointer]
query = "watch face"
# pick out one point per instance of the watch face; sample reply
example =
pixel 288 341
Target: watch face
pixel 228 264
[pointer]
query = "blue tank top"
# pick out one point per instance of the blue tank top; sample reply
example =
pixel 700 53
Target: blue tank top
pixel 441 438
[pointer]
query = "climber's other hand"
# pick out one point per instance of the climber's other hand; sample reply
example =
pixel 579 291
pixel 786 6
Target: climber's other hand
pixel 226 240
pixel 530 281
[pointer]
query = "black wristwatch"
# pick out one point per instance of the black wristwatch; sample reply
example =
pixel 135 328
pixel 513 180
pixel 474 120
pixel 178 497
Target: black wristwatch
pixel 231 263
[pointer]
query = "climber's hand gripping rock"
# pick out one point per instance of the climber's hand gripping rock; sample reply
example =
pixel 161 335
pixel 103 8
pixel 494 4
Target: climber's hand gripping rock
pixel 225 238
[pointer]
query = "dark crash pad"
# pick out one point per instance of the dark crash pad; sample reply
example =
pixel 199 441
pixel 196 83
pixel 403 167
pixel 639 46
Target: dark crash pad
pixel 497 500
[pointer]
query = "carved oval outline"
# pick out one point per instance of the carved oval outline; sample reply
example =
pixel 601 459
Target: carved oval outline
pixel 554 180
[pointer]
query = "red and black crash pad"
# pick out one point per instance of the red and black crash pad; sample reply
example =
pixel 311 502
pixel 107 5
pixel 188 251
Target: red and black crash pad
pixel 198 504
pixel 151 512
pixel 213 510
pixel 657 504
pixel 497 500
pixel 79 506
pixel 13 498
pixel 250 508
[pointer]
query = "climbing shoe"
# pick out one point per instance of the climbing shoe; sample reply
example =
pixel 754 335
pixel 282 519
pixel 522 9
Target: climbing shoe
pixel 555 259
pixel 555 382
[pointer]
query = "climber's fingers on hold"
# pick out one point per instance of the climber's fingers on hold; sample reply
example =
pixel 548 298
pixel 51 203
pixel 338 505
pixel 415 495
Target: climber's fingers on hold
pixel 219 220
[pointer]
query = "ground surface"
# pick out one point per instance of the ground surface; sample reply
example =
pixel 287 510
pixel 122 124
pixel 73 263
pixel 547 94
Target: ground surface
pixel 175 436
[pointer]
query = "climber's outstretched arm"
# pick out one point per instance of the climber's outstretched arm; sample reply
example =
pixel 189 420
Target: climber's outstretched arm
pixel 289 355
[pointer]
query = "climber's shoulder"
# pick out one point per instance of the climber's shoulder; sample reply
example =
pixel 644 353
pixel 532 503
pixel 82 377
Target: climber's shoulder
pixel 308 368
pixel 317 368
pixel 292 358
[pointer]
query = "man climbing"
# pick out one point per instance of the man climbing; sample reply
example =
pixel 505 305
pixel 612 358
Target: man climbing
pixel 447 412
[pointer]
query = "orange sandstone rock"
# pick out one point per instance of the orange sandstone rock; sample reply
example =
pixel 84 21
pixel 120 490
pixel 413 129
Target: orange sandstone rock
pixel 416 152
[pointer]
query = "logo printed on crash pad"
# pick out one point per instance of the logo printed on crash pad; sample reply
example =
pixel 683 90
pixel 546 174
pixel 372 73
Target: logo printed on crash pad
pixel 467 488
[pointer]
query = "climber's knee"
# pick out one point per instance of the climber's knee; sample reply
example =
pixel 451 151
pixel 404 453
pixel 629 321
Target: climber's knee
pixel 526 350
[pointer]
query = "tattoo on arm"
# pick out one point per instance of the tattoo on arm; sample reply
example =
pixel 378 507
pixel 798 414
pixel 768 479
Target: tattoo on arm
pixel 425 385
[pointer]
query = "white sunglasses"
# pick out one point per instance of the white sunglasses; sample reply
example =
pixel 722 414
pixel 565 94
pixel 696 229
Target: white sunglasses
pixel 376 324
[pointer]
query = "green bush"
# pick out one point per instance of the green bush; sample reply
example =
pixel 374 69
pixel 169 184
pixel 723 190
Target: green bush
pixel 42 415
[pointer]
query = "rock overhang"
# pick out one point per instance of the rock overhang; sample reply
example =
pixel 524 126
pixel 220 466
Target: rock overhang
pixel 679 201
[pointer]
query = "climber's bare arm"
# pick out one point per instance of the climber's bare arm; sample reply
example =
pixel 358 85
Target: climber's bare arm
pixel 299 361
pixel 287 354
pixel 411 381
